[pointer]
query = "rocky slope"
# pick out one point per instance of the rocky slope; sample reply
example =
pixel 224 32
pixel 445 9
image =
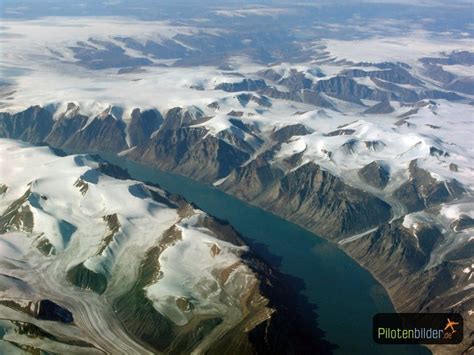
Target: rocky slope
pixel 400 256
pixel 308 196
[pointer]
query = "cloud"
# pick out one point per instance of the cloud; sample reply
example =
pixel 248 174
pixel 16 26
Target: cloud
pixel 254 11
pixel 407 48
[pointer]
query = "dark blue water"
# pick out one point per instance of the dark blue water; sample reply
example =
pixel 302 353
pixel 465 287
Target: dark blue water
pixel 346 295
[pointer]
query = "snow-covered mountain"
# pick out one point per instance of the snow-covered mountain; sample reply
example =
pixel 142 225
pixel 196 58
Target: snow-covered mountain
pixel 360 131
pixel 93 261
pixel 368 155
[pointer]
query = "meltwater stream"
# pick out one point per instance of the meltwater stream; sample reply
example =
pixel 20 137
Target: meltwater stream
pixel 345 294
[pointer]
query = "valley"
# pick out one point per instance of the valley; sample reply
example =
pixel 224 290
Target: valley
pixel 336 140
